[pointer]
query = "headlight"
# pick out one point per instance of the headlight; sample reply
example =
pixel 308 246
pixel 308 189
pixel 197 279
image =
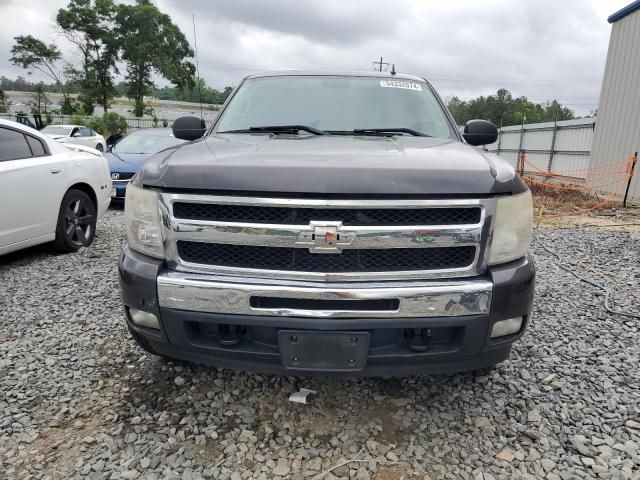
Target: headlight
pixel 142 218
pixel 512 228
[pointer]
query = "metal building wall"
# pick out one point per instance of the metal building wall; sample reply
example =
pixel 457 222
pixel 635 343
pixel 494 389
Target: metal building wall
pixel 561 147
pixel 617 134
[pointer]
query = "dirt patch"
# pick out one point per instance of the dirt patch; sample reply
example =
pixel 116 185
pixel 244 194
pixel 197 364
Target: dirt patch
pixel 56 444
pixel 392 473
pixel 572 208
pixel 390 433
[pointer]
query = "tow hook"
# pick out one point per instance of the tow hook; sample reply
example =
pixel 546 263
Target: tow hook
pixel 230 335
pixel 418 339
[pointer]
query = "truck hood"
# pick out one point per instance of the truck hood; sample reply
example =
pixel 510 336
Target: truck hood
pixel 345 165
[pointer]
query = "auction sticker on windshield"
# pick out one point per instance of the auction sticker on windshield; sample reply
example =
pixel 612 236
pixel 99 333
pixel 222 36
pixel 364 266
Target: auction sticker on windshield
pixel 401 84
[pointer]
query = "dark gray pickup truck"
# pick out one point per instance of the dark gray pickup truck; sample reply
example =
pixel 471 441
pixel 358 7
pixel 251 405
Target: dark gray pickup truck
pixel 332 223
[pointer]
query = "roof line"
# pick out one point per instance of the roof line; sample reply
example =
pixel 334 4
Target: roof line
pixel 623 12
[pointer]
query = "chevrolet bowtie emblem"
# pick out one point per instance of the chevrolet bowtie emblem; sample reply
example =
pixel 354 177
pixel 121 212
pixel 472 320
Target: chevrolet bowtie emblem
pixel 325 237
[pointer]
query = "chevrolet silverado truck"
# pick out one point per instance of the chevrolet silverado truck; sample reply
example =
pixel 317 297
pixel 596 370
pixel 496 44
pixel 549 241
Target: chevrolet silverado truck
pixel 329 223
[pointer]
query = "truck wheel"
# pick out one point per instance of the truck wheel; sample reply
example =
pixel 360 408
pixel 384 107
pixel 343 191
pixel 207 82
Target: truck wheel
pixel 76 225
pixel 142 342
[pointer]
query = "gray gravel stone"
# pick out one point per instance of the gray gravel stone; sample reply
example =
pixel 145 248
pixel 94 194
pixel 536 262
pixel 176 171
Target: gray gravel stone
pixel 79 398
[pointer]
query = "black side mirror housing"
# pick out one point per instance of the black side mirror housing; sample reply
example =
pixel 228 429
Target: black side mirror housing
pixel 480 132
pixel 189 128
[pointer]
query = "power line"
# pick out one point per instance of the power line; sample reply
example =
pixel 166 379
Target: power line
pixel 380 64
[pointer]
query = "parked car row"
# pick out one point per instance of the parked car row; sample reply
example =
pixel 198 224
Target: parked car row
pixel 59 191
pixel 127 156
pixel 64 177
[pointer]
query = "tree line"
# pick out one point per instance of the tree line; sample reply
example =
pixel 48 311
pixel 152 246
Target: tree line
pixel 187 94
pixel 504 110
pixel 107 36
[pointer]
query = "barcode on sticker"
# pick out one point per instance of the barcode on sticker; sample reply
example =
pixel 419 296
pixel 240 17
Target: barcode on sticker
pixel 401 84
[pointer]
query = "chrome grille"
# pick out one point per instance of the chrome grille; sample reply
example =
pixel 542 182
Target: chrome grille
pixel 348 216
pixel 377 239
pixel 301 260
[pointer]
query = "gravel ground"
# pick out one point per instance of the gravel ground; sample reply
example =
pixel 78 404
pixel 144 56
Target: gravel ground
pixel 79 400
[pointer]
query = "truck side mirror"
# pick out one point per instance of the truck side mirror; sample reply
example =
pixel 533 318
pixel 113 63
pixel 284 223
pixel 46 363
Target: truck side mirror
pixel 189 128
pixel 480 132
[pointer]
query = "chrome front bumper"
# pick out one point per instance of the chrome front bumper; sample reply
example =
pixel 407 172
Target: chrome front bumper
pixel 233 295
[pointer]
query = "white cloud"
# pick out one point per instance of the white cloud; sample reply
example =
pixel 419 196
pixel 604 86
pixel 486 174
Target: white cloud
pixel 542 49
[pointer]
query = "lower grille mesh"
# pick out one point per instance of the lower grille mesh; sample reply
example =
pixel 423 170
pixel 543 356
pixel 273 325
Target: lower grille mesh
pixel 301 260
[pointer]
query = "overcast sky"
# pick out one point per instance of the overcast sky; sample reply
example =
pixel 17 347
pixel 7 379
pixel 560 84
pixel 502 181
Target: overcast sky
pixel 542 49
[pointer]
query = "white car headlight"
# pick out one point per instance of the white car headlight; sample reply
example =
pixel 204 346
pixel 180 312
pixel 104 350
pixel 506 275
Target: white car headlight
pixel 142 218
pixel 512 228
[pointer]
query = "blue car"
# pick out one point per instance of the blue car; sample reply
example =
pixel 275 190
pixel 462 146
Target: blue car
pixel 127 155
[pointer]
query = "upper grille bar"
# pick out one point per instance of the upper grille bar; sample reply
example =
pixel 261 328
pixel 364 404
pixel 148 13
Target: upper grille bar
pixel 348 216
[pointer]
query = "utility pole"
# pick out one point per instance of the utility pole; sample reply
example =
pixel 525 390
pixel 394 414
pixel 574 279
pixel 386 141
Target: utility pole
pixel 378 65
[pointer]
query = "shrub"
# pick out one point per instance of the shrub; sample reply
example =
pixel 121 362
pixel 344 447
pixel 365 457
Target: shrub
pixel 77 120
pixel 96 124
pixel 114 123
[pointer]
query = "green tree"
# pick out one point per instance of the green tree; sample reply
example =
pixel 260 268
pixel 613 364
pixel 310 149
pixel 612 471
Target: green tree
pixel 90 26
pixel 503 109
pixel 200 92
pixel 152 43
pixel 4 102
pixel 31 53
pixel 40 100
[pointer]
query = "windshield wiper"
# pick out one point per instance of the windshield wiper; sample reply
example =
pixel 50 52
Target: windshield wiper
pixel 279 129
pixel 378 131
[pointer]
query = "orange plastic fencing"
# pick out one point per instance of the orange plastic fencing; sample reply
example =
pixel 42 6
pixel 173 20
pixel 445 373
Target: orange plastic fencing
pixel 618 173
pixel 590 180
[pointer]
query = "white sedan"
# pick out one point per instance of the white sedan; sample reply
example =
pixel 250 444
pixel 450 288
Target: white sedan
pixel 49 191
pixel 76 134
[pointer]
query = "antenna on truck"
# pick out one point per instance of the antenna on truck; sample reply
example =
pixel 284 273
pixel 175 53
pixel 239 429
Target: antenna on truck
pixel 195 44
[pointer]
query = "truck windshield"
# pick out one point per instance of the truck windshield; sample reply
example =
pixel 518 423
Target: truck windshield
pixel 335 104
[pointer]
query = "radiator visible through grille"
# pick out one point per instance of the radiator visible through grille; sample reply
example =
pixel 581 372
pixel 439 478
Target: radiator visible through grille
pixel 300 259
pixel 348 216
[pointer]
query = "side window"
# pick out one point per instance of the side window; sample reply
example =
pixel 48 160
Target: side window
pixel 37 148
pixel 14 145
pixel 74 131
pixel 86 132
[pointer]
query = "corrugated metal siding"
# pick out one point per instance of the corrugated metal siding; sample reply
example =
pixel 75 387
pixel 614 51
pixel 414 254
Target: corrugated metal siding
pixel 617 134
pixel 571 151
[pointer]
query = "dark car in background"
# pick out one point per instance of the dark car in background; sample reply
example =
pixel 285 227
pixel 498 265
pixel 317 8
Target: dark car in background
pixel 127 155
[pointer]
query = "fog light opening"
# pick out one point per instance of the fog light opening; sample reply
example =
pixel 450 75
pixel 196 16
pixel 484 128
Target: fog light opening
pixel 144 319
pixel 506 327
